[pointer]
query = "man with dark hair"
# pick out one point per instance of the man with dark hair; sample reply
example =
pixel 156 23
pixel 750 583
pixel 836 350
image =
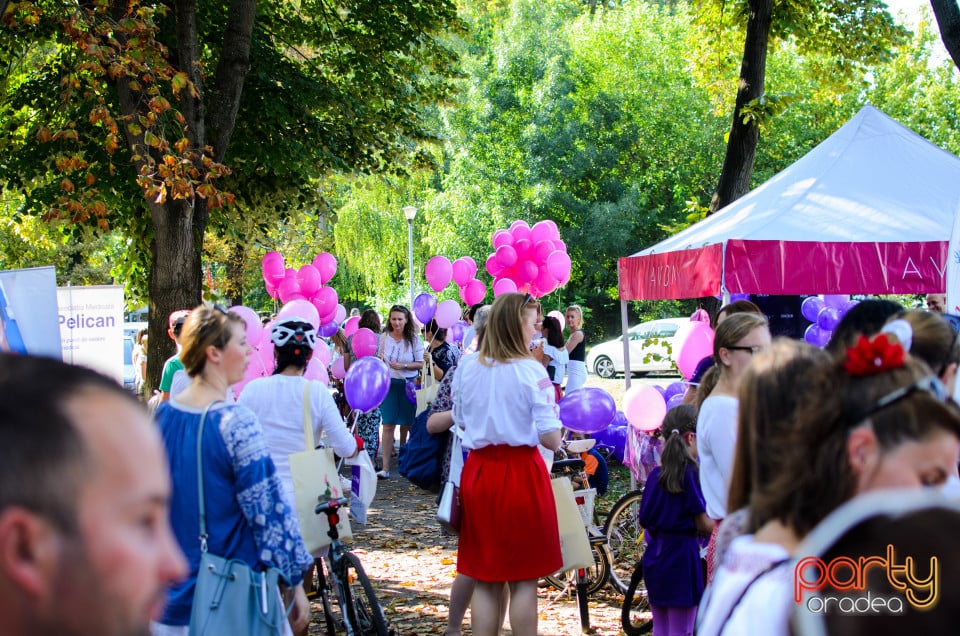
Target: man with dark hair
pixel 85 542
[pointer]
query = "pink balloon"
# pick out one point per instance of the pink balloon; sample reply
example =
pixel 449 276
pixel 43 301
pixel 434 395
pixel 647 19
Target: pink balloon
pixel 541 251
pixel 309 279
pixel 322 353
pixel 691 344
pixel 350 327
pixel 504 286
pixel 336 370
pixel 288 289
pixel 506 255
pixel 474 292
pixel 438 273
pixel 540 232
pixel 462 272
pixel 516 224
pixel 644 407
pixel 520 233
pixel 364 343
pixel 559 265
pixel 252 321
pixel 545 281
pixel 502 237
pixel 273 268
pixel 493 266
pixel 527 271
pixel 262 360
pixel 326 266
pixel 554 230
pixel 448 312
pixel 560 245
pixel 325 300
pixel 316 370
pixel 271 289
pixel 300 309
pixel 341 314
pixel 559 316
pixel 524 249
pixel 472 264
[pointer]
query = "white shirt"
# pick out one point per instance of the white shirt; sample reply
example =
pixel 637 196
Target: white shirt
pixel 716 441
pixel 764 608
pixel 400 351
pixel 467 343
pixel 278 403
pixel 558 360
pixel 510 403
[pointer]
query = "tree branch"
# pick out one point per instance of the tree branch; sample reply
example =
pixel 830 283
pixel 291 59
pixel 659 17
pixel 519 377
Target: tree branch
pixel 231 72
pixel 948 19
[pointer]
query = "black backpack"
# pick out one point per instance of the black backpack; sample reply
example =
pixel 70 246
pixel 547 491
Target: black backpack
pixel 421 459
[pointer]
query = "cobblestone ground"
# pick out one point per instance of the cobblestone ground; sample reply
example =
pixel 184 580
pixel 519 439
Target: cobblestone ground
pixel 412 567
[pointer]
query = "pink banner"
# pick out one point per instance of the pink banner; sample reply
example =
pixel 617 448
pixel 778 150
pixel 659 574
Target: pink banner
pixel 681 274
pixel 788 267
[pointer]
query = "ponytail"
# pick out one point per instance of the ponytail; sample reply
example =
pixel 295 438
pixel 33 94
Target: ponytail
pixel 674 458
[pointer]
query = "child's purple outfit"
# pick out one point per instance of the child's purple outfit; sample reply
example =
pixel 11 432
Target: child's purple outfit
pixel 672 569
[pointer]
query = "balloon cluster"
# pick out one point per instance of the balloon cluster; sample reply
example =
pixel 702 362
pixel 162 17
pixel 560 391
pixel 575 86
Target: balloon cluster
pixel 825 314
pixel 439 271
pixel 528 259
pixel 307 283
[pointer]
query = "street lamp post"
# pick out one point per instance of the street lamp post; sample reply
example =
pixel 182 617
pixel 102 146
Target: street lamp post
pixel 410 212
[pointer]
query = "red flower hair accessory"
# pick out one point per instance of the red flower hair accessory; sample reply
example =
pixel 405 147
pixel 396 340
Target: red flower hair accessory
pixel 874 356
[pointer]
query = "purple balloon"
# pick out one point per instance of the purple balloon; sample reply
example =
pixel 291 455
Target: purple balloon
pixel 587 410
pixel 674 388
pixel 661 390
pixel 328 329
pixel 424 306
pixel 810 308
pixel 614 437
pixel 366 384
pixel 411 391
pixel 816 336
pixel 620 419
pixel 675 400
pixel 828 318
pixel 457 330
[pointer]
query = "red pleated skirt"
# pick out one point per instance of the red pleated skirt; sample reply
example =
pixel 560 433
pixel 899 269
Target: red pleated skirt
pixel 508 528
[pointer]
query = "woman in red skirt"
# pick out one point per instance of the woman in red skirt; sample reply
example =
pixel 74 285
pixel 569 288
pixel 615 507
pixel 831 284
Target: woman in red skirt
pixel 504 402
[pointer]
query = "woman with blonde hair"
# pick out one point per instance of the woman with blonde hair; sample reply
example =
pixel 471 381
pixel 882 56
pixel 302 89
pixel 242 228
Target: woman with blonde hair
pixel 247 514
pixel 504 404
pixel 576 349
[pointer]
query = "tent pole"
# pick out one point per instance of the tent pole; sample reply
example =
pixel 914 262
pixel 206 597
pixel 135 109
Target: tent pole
pixel 625 326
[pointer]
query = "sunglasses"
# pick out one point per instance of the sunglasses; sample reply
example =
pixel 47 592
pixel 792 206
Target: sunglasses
pixel 751 349
pixel 223 310
pixel 931 385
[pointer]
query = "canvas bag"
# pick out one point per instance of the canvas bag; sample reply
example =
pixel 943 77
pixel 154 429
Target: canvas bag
pixel 230 597
pixel 314 474
pixel 574 545
pixel 427 392
pixel 448 512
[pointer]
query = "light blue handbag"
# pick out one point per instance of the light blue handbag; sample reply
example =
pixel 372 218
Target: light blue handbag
pixel 231 598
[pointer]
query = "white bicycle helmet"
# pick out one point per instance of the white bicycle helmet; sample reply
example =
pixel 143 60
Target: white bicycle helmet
pixel 293 329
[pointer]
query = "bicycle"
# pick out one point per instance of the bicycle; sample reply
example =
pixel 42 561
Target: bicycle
pixel 635 616
pixel 625 538
pixel 340 571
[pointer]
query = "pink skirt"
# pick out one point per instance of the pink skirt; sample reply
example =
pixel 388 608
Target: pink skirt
pixel 508 528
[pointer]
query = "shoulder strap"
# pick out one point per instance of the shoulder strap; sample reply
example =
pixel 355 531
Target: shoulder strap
pixel 747 587
pixel 203 510
pixel 307 424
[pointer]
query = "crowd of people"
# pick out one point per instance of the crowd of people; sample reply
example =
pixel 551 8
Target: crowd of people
pixel 779 443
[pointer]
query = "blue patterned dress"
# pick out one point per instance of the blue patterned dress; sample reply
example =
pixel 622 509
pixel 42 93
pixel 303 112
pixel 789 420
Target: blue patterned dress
pixel 247 518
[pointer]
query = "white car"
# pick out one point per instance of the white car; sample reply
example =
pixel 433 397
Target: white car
pixel 651 344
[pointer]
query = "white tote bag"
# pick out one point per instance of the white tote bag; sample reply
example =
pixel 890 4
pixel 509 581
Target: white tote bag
pixel 315 475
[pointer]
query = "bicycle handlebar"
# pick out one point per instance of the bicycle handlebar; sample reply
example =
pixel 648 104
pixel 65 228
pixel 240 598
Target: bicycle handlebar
pixel 331 505
pixel 566 464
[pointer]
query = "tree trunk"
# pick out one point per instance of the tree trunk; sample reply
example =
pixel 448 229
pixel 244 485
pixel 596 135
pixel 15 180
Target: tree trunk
pixel 742 144
pixel 234 284
pixel 947 13
pixel 175 279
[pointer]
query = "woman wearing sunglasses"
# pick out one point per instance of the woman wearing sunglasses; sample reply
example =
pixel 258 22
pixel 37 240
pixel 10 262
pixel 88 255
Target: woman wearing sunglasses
pixel 876 419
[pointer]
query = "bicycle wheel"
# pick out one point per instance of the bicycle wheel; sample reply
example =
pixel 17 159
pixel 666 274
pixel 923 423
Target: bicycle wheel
pixel 359 603
pixel 636 618
pixel 597 575
pixel 624 538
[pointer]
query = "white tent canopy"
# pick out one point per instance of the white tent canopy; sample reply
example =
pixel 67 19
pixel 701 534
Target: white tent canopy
pixel 869 210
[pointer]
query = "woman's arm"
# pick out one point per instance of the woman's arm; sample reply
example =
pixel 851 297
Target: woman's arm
pixel 327 419
pixel 439 422
pixel 704 523
pixel 575 338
